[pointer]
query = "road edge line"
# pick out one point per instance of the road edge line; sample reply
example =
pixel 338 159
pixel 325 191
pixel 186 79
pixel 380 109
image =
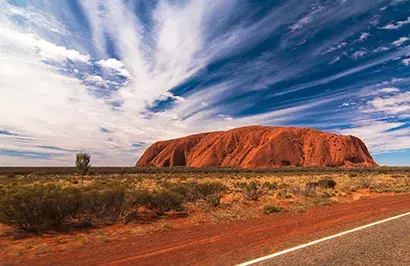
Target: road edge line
pixel 273 255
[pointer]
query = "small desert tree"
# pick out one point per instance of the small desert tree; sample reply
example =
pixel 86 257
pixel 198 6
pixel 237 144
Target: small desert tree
pixel 82 163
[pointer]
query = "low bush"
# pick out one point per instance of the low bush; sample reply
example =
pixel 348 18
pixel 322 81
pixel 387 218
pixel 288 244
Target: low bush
pixel 365 181
pixel 311 189
pixel 186 190
pixel 299 191
pixel 212 192
pixel 268 209
pixel 253 191
pixel 102 204
pixel 270 186
pixel 134 199
pixel 161 201
pixel 35 208
pixel 327 183
pixel 284 193
pixel 240 185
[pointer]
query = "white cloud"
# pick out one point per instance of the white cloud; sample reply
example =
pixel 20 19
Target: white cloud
pixel 358 54
pixel 381 49
pixel 406 61
pixel 388 90
pixel 336 59
pixel 379 118
pixel 380 136
pixel 33 18
pixel 336 47
pixel 314 14
pixel 364 35
pixel 115 65
pixel 225 117
pixel 179 99
pixel 396 25
pixel 42 47
pixel 345 104
pixel 301 23
pixel 375 21
pixel 97 80
pixel 400 41
pixel 395 80
pixel 397 104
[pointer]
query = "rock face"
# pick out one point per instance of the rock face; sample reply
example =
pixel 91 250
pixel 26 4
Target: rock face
pixel 259 147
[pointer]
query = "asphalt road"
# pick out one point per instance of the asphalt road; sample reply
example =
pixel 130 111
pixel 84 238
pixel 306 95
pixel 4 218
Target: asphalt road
pixel 383 244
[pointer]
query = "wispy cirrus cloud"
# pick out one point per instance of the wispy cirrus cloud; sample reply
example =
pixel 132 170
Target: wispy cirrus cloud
pixel 400 41
pixel 41 47
pixel 364 36
pixel 358 54
pixel 396 25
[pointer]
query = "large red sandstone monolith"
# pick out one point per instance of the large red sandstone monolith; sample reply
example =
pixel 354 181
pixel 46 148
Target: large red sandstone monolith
pixel 259 147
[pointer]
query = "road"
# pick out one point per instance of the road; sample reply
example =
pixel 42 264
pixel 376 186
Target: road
pixel 382 244
pixel 230 243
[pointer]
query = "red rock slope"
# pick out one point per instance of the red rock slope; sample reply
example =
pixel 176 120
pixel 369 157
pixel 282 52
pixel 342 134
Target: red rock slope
pixel 259 147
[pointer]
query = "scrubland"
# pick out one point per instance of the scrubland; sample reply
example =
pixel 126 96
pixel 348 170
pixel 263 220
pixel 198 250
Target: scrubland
pixel 47 211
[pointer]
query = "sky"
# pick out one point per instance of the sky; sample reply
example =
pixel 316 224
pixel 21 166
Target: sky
pixel 110 77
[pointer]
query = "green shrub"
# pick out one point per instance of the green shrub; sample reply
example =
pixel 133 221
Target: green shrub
pixel 161 201
pixel 186 190
pixel 107 204
pixel 365 181
pixel 253 191
pixel 285 192
pixel 310 189
pixel 327 183
pixel 134 199
pixel 312 185
pixel 212 192
pixel 35 208
pixel 103 204
pixel 268 209
pixel 270 186
pixel 240 185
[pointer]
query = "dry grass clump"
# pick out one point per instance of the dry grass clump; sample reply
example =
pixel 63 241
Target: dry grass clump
pixel 269 209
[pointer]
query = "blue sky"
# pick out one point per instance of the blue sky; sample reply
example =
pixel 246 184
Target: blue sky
pixel 110 77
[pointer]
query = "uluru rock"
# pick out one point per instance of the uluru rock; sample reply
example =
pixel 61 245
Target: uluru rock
pixel 259 147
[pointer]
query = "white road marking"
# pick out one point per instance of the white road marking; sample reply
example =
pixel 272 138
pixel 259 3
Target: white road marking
pixel 320 240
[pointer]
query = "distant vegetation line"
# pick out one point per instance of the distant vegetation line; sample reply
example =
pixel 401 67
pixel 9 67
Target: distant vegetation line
pixel 136 170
